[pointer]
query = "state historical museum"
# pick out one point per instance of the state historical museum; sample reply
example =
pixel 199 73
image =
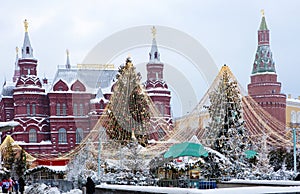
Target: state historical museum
pixel 55 117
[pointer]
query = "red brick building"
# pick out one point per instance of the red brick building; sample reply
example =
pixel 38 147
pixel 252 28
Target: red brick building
pixel 54 117
pixel 264 87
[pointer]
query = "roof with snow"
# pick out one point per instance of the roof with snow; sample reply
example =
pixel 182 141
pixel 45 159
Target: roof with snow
pixel 8 89
pixel 54 169
pixel 91 78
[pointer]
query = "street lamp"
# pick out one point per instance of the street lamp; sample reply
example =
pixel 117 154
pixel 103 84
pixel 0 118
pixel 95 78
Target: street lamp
pixel 294 127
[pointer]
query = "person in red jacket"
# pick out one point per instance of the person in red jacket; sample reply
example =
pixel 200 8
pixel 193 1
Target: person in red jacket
pixel 4 185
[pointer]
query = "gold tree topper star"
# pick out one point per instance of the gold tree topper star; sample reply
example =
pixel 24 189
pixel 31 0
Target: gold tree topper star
pixel 262 12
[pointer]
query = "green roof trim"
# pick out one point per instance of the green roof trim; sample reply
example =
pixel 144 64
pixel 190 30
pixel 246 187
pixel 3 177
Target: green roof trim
pixel 263 61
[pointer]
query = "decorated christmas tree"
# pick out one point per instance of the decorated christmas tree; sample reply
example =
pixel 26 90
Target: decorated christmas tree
pixel 128 110
pixel 226 132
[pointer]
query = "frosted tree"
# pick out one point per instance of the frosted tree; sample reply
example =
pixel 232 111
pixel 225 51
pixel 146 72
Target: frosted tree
pixel 133 159
pixel 82 165
pixel 226 132
pixel 263 165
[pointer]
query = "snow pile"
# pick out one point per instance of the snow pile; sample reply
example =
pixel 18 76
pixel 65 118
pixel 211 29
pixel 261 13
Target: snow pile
pixel 74 191
pixel 41 189
pixel 128 178
pixel 44 189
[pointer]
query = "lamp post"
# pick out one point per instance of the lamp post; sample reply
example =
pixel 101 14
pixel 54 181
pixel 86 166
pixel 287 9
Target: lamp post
pixel 102 130
pixel 294 127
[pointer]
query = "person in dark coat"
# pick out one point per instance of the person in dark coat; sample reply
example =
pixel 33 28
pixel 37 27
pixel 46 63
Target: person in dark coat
pixel 16 185
pixel 90 186
pixel 21 185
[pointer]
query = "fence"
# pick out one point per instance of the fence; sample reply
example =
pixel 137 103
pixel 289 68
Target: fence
pixel 188 183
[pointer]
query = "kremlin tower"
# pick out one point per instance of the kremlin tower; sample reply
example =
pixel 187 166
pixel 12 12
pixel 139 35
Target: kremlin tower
pixel 158 91
pixel 264 87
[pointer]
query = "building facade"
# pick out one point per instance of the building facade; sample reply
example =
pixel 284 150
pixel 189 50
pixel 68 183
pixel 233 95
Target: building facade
pixel 292 110
pixel 264 87
pixel 55 117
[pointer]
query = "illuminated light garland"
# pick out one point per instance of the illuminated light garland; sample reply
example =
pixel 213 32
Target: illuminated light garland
pixel 259 122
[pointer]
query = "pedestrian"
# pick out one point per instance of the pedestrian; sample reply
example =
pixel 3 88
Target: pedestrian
pixel 90 186
pixel 21 185
pixel 4 185
pixel 10 188
pixel 16 185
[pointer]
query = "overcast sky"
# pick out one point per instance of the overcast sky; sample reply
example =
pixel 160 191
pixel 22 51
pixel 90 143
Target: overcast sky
pixel 226 28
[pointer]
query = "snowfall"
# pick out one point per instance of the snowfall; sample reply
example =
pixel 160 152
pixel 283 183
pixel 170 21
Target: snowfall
pixel 44 189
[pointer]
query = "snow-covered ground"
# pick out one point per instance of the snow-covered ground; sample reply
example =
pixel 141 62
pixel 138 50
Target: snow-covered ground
pixel 44 189
pixel 237 190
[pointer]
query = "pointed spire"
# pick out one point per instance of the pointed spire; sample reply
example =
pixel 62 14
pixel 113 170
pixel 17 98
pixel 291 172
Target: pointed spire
pixel 154 54
pixel 263 61
pixel 263 24
pixel 68 65
pixel 17 67
pixel 27 51
pixel 17 59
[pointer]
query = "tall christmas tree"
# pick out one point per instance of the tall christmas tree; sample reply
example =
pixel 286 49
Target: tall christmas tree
pixel 128 110
pixel 226 132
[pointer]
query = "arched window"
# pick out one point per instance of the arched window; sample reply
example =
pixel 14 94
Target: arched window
pixel 293 117
pixel 81 109
pixel 62 135
pixel 27 50
pixel 161 108
pixel 32 136
pixel 58 109
pixel 75 109
pixel 33 109
pixel 28 109
pixel 101 105
pixel 79 135
pixel 64 109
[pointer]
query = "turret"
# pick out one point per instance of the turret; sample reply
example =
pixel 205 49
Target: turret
pixel 154 66
pixel 264 87
pixel 27 51
pixel 27 63
pixel 158 90
pixel 68 64
pixel 263 61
